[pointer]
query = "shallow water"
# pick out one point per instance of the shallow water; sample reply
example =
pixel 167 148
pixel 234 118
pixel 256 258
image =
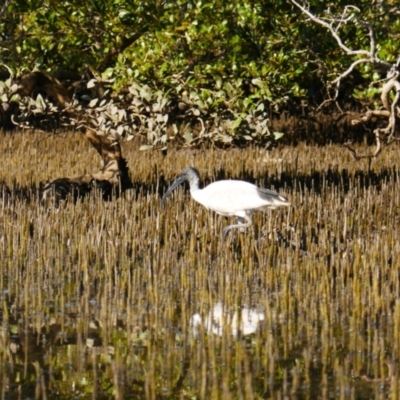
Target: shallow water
pixel 98 298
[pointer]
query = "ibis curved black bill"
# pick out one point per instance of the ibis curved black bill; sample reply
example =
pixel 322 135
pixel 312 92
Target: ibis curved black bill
pixel 178 181
pixel 190 175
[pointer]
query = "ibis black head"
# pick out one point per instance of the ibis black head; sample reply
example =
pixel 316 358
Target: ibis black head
pixel 190 175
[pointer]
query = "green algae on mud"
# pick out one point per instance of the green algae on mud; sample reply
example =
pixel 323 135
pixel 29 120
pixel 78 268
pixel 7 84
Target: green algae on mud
pixel 97 297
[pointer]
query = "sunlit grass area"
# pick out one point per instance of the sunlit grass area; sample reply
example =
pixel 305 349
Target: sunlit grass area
pixel 99 298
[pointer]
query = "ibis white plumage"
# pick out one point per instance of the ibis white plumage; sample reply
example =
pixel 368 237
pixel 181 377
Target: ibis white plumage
pixel 230 197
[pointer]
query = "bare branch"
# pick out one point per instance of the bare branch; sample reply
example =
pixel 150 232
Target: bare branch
pixel 332 30
pixel 349 71
pixel 337 82
pixel 344 20
pixel 383 136
pixel 371 54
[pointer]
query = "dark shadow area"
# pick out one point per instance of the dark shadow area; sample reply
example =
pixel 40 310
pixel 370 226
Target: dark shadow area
pixel 290 180
pixel 316 181
pixel 63 188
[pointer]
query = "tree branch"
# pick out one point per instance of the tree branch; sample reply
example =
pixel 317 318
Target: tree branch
pixel 371 54
pixel 383 136
pixel 332 30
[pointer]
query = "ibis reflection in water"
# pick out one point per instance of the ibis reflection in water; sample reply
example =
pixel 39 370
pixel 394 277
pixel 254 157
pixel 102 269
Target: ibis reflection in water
pixel 244 321
pixel 230 197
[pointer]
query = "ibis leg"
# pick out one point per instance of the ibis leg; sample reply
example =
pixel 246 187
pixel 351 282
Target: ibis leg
pixel 240 224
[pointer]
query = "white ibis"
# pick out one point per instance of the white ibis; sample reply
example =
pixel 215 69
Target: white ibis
pixel 230 197
pixel 219 320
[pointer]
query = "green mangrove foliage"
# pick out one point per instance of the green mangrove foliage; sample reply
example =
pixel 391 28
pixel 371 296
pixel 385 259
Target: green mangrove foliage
pixel 214 70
